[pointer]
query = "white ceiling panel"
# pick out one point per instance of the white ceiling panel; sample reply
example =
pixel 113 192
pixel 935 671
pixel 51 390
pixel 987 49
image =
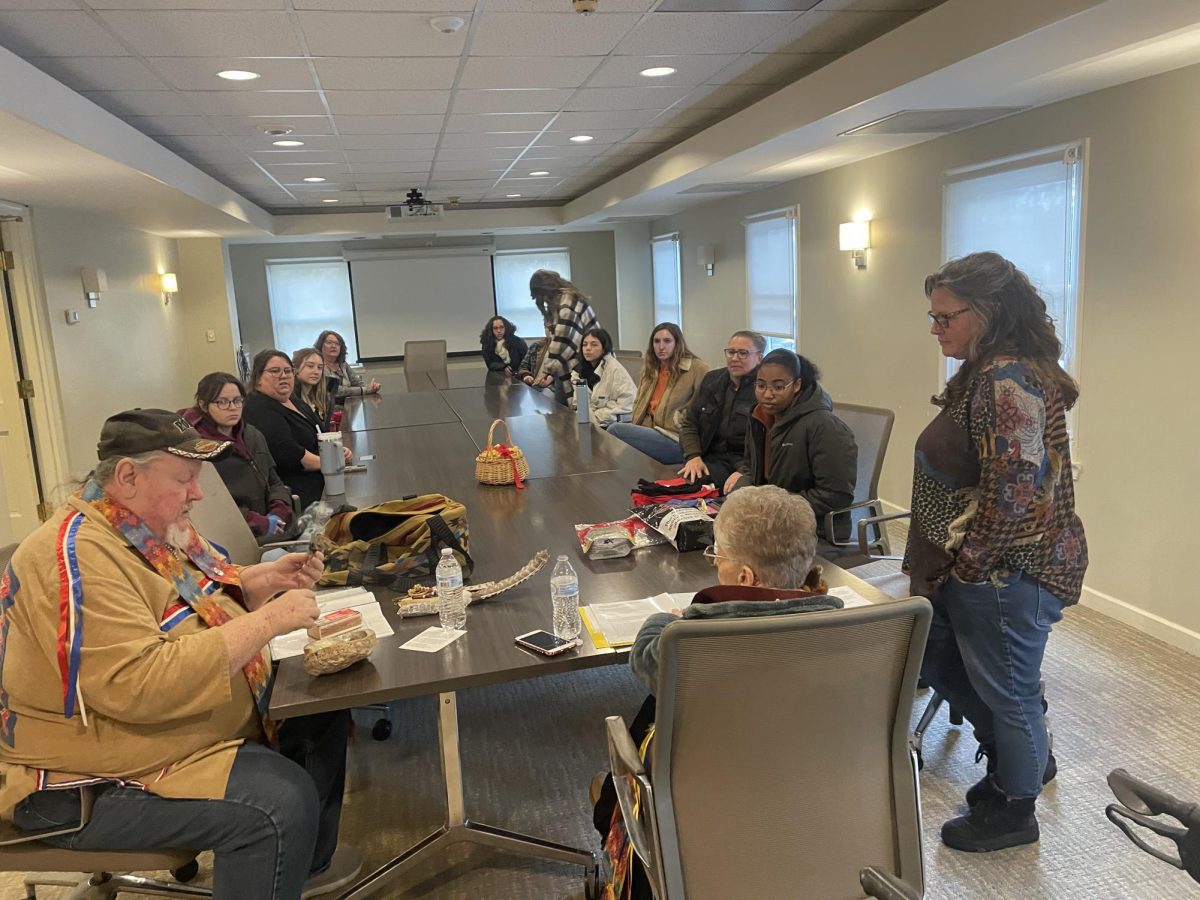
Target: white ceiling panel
pixel 161 125
pixel 400 154
pixel 430 124
pixel 622 71
pixel 605 7
pixel 391 167
pixel 542 35
pixel 263 141
pixel 274 158
pixel 388 141
pixel 832 32
pixel 591 122
pixel 199 73
pixel 725 96
pixel 679 117
pixel 56 34
pixel 215 144
pixel 187 4
pixel 517 140
pixel 706 32
pixel 205 32
pixel 382 180
pixel 462 185
pixel 527 72
pixel 602 137
pixel 611 99
pixel 38 4
pixel 438 6
pixel 661 135
pixel 510 100
pixel 376 34
pixel 368 103
pixel 484 155
pixel 301 126
pixel 779 68
pixel 495 166
pixel 373 73
pixel 497 122
pixel 100 73
pixel 877 5
pixel 257 103
pixel 142 103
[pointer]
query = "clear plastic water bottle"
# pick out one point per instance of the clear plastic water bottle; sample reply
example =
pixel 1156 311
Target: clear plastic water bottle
pixel 564 596
pixel 452 606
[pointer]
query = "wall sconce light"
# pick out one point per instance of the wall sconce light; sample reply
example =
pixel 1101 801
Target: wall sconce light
pixel 707 257
pixel 170 286
pixel 94 283
pixel 856 237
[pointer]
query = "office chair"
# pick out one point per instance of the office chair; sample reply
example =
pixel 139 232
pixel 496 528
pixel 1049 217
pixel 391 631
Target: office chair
pixel 632 361
pixel 872 427
pixel 780 757
pixel 1141 804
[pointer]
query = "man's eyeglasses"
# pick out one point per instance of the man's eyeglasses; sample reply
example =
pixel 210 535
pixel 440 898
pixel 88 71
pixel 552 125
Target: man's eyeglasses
pixel 235 403
pixel 775 387
pixel 276 371
pixel 942 320
pixel 710 553
pixel 737 353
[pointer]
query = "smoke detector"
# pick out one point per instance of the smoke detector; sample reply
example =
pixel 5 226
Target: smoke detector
pixel 446 24
pixel 584 7
pixel 277 130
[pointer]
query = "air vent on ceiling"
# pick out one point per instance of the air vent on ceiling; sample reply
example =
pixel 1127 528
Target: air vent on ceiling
pixel 729 187
pixel 932 121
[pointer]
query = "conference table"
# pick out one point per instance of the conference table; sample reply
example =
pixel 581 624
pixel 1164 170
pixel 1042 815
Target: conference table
pixel 578 474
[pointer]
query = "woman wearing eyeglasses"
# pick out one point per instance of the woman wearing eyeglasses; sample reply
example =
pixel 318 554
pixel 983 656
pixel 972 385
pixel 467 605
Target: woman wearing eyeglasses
pixel 288 424
pixel 795 440
pixel 995 542
pixel 712 433
pixel 248 469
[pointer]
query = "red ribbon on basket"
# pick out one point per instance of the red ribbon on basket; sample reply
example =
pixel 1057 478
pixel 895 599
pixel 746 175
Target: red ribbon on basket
pixel 506 452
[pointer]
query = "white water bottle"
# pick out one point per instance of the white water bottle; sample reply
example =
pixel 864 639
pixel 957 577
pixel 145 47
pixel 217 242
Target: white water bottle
pixel 452 607
pixel 564 596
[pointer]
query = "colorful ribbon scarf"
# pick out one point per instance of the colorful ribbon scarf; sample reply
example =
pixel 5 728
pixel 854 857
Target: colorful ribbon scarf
pixel 197 594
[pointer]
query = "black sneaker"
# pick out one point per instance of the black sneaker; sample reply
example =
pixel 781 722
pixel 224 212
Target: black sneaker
pixel 986 788
pixel 993 826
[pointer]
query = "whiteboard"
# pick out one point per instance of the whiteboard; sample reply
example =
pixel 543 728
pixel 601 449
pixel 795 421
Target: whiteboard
pixel 407 297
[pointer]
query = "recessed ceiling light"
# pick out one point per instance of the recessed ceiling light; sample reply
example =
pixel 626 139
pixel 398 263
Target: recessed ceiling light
pixel 512 196
pixel 657 72
pixel 582 138
pixel 539 172
pixel 237 75
pixel 314 179
pixel 329 200
pixel 287 143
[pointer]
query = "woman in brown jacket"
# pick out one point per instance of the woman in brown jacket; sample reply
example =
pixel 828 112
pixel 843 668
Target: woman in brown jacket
pixel 671 374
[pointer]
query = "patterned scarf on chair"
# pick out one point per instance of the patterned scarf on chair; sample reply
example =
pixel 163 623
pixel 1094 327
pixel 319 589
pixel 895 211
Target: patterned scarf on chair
pixel 617 845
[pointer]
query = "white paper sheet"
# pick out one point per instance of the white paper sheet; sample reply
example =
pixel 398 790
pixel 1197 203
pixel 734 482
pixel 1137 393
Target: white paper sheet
pixel 292 643
pixel 433 639
pixel 619 621
pixel 849 596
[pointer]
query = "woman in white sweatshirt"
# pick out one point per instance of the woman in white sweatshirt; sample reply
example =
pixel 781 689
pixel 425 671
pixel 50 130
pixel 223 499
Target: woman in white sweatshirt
pixel 611 389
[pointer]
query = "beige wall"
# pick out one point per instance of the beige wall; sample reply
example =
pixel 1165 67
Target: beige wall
pixel 204 306
pixel 593 268
pixel 867 330
pixel 130 350
pixel 635 285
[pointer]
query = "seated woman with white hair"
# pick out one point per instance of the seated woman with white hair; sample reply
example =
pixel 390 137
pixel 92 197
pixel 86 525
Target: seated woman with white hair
pixel 766 539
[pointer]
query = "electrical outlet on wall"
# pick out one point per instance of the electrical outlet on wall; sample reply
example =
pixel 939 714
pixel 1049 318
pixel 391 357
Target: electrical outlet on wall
pixel 210 336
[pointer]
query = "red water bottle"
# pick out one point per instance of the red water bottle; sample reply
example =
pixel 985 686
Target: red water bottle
pixel 335 420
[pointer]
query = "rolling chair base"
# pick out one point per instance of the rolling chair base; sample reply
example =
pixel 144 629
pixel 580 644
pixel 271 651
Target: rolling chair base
pixel 102 886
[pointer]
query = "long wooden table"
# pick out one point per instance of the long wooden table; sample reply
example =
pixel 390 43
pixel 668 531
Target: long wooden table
pixel 578 474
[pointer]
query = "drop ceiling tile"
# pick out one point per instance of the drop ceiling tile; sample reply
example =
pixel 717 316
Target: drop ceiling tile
pixel 257 103
pixel 390 167
pixel 591 122
pixel 388 141
pixel 605 7
pixel 38 4
pixel 661 135
pixel 511 100
pixel 161 125
pixel 497 122
pixel 217 144
pixel 187 4
pixel 878 5
pixel 56 33
pixel 832 32
pixel 541 35
pixel 704 32
pixel 142 103
pixel 691 70
pixel 491 153
pixel 205 32
pixel 602 137
pixel 458 186
pixel 527 72
pixel 371 73
pixel 623 99
pixel 390 156
pixel 199 73
pixel 311 142
pixel 688 118
pixel 495 166
pixel 367 103
pixel 100 73
pixel 775 68
pixel 726 96
pixel 302 126
pixel 273 158
pixel 430 124
pixel 383 34
pixel 439 6
pixel 518 140
pixel 564 151
pixel 381 181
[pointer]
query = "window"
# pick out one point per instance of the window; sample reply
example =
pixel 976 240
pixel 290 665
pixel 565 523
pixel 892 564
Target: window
pixel 771 277
pixel 511 271
pixel 668 306
pixel 308 296
pixel 1028 210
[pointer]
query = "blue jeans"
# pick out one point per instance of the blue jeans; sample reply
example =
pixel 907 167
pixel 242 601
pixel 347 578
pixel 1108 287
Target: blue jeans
pixel 276 824
pixel 653 443
pixel 984 656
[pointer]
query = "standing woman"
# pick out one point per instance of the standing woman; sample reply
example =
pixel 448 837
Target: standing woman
pixel 995 542
pixel 288 424
pixel 333 351
pixel 611 390
pixel 567 315
pixel 670 375
pixel 313 386
pixel 503 351
pixel 248 471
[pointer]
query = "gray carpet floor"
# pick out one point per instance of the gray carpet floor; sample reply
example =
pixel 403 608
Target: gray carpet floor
pixel 1117 698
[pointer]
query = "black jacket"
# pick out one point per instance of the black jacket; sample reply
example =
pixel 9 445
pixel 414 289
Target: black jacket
pixel 288 436
pixel 701 424
pixel 809 451
pixel 516 353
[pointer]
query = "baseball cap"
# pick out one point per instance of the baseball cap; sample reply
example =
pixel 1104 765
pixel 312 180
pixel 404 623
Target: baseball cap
pixel 138 431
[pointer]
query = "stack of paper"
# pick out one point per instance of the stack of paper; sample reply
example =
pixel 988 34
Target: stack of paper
pixel 292 643
pixel 616 624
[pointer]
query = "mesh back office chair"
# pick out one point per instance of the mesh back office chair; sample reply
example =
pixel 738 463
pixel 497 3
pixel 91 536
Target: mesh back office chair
pixel 425 356
pixel 756 792
pixel 872 427
pixel 21 853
